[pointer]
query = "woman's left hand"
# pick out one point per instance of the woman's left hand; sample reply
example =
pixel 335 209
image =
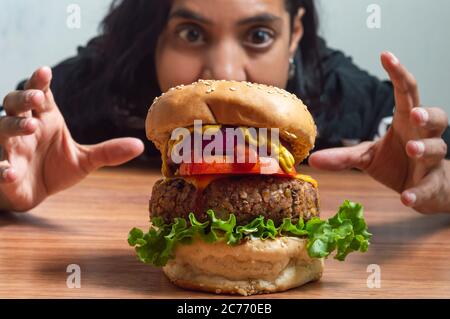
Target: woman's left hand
pixel 410 158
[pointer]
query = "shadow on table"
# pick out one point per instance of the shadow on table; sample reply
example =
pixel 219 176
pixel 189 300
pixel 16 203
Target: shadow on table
pixel 117 272
pixel 405 234
pixel 28 220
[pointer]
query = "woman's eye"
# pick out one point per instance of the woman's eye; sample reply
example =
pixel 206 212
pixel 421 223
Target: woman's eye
pixel 191 34
pixel 260 37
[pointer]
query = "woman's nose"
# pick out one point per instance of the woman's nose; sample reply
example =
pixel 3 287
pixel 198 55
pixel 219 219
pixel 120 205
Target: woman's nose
pixel 225 62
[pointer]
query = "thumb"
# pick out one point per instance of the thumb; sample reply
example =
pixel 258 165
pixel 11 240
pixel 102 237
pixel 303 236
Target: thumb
pixel 336 159
pixel 113 152
pixel 41 80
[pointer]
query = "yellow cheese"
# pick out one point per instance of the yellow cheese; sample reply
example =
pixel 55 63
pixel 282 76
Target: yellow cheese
pixel 202 181
pixel 307 179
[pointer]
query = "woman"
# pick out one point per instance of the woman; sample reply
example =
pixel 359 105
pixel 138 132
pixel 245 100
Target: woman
pixel 149 46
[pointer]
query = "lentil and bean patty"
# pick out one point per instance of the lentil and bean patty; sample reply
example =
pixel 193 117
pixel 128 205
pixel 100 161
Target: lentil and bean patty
pixel 245 196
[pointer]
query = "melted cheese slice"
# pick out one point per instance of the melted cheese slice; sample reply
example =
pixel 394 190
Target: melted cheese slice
pixel 202 181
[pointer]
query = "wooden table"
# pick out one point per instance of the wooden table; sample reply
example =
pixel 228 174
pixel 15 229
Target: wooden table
pixel 88 225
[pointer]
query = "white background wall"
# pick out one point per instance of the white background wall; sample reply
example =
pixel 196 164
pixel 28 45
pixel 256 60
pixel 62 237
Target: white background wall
pixel 34 33
pixel 417 31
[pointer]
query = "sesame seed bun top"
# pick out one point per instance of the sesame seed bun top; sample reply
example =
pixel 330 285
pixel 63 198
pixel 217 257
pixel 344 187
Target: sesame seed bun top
pixel 236 104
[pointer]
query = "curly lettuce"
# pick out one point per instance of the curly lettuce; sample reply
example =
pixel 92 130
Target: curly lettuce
pixel 344 233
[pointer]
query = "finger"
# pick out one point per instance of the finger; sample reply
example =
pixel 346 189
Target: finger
pixel 424 196
pixel 336 159
pixel 40 80
pixel 16 126
pixel 18 103
pixel 112 153
pixel 433 120
pixel 405 86
pixel 431 150
pixel 7 173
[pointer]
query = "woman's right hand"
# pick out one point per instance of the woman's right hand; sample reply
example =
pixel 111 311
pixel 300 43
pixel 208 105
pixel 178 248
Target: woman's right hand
pixel 39 156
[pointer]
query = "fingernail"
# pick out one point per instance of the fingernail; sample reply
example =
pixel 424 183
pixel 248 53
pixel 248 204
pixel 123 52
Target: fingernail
pixel 420 149
pixel 46 69
pixel 424 116
pixel 35 97
pixel 394 59
pixel 23 124
pixel 410 198
pixel 5 173
pixel 27 124
pixel 29 97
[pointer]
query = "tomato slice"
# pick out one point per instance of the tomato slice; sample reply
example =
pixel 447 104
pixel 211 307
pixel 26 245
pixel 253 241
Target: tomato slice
pixel 264 166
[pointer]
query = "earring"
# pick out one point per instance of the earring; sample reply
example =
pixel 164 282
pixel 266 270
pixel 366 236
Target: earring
pixel 292 68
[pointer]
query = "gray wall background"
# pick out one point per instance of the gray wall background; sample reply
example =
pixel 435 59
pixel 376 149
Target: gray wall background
pixel 34 33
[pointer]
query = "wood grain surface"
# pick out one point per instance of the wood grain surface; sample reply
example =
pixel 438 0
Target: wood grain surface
pixel 88 225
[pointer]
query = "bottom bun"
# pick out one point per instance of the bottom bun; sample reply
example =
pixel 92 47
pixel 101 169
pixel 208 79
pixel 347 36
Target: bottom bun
pixel 254 267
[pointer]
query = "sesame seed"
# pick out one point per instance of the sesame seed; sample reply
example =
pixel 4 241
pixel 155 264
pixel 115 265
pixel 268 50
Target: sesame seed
pixel 249 84
pixel 233 89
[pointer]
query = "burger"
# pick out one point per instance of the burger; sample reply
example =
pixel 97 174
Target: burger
pixel 232 214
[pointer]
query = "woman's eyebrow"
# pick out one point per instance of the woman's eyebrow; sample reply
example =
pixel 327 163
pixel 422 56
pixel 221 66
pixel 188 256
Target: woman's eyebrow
pixel 260 18
pixel 190 15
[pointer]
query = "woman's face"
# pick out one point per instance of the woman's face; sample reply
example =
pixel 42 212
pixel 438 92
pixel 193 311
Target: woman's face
pixel 242 40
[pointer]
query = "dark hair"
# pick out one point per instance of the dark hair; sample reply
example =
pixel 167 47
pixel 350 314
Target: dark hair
pixel 125 58
pixel 308 80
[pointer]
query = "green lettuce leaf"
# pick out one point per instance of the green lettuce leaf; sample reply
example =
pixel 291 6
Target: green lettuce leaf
pixel 344 233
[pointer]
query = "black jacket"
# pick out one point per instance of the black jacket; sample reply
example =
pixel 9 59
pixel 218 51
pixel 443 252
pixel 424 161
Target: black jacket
pixel 356 103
